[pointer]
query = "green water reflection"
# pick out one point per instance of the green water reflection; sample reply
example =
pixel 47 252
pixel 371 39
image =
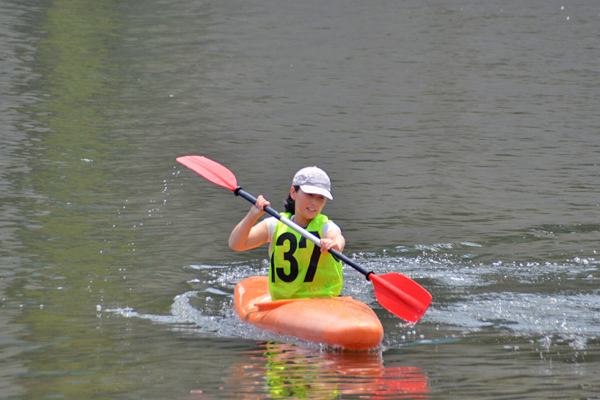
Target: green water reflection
pixel 284 370
pixel 70 269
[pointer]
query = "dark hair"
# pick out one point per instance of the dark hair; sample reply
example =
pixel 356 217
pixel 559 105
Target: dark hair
pixel 290 204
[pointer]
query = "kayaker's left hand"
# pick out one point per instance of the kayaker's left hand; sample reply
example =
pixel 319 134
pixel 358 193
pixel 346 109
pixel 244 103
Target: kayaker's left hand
pixel 327 244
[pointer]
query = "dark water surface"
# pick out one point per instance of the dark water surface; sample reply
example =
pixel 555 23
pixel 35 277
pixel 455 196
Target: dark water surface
pixel 462 139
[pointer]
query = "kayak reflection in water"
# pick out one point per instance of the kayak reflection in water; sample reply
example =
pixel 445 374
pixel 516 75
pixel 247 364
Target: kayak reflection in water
pixel 298 268
pixel 294 371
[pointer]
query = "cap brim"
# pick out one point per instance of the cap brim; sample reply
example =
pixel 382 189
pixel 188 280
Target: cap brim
pixel 316 190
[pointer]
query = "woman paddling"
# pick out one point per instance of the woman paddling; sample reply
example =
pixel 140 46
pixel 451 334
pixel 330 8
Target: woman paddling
pixel 298 268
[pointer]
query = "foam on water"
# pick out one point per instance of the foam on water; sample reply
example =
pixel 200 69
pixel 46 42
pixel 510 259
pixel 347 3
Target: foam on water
pixel 528 299
pixel 569 317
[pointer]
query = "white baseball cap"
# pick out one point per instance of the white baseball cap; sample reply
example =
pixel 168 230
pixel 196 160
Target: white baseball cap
pixel 313 180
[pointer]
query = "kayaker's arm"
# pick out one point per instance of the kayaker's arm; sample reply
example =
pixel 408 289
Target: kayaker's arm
pixel 246 235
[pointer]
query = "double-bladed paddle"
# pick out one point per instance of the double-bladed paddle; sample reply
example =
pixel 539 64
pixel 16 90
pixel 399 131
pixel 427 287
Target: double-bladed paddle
pixel 397 293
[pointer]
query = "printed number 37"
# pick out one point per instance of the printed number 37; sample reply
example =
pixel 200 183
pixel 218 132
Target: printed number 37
pixel 289 257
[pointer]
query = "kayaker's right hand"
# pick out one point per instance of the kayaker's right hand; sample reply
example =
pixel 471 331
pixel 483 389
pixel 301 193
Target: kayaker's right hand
pixel 259 208
pixel 246 235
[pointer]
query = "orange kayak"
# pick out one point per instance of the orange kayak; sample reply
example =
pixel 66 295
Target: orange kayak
pixel 339 322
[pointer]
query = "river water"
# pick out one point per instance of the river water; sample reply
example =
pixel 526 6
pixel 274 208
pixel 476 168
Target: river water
pixel 462 138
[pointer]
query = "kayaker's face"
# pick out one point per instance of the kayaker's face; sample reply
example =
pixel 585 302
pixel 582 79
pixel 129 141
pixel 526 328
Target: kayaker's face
pixel 308 205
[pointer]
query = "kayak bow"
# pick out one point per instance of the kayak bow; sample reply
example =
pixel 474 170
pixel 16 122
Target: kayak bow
pixel 338 322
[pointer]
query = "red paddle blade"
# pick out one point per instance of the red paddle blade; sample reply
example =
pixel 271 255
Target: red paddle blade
pixel 211 170
pixel 401 295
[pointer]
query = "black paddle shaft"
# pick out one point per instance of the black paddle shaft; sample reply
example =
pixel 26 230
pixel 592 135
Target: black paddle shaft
pixel 242 193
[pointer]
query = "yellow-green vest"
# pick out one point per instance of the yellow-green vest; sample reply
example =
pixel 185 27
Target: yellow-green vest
pixel 298 268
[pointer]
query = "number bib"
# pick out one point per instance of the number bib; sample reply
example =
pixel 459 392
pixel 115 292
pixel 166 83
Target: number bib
pixel 298 268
